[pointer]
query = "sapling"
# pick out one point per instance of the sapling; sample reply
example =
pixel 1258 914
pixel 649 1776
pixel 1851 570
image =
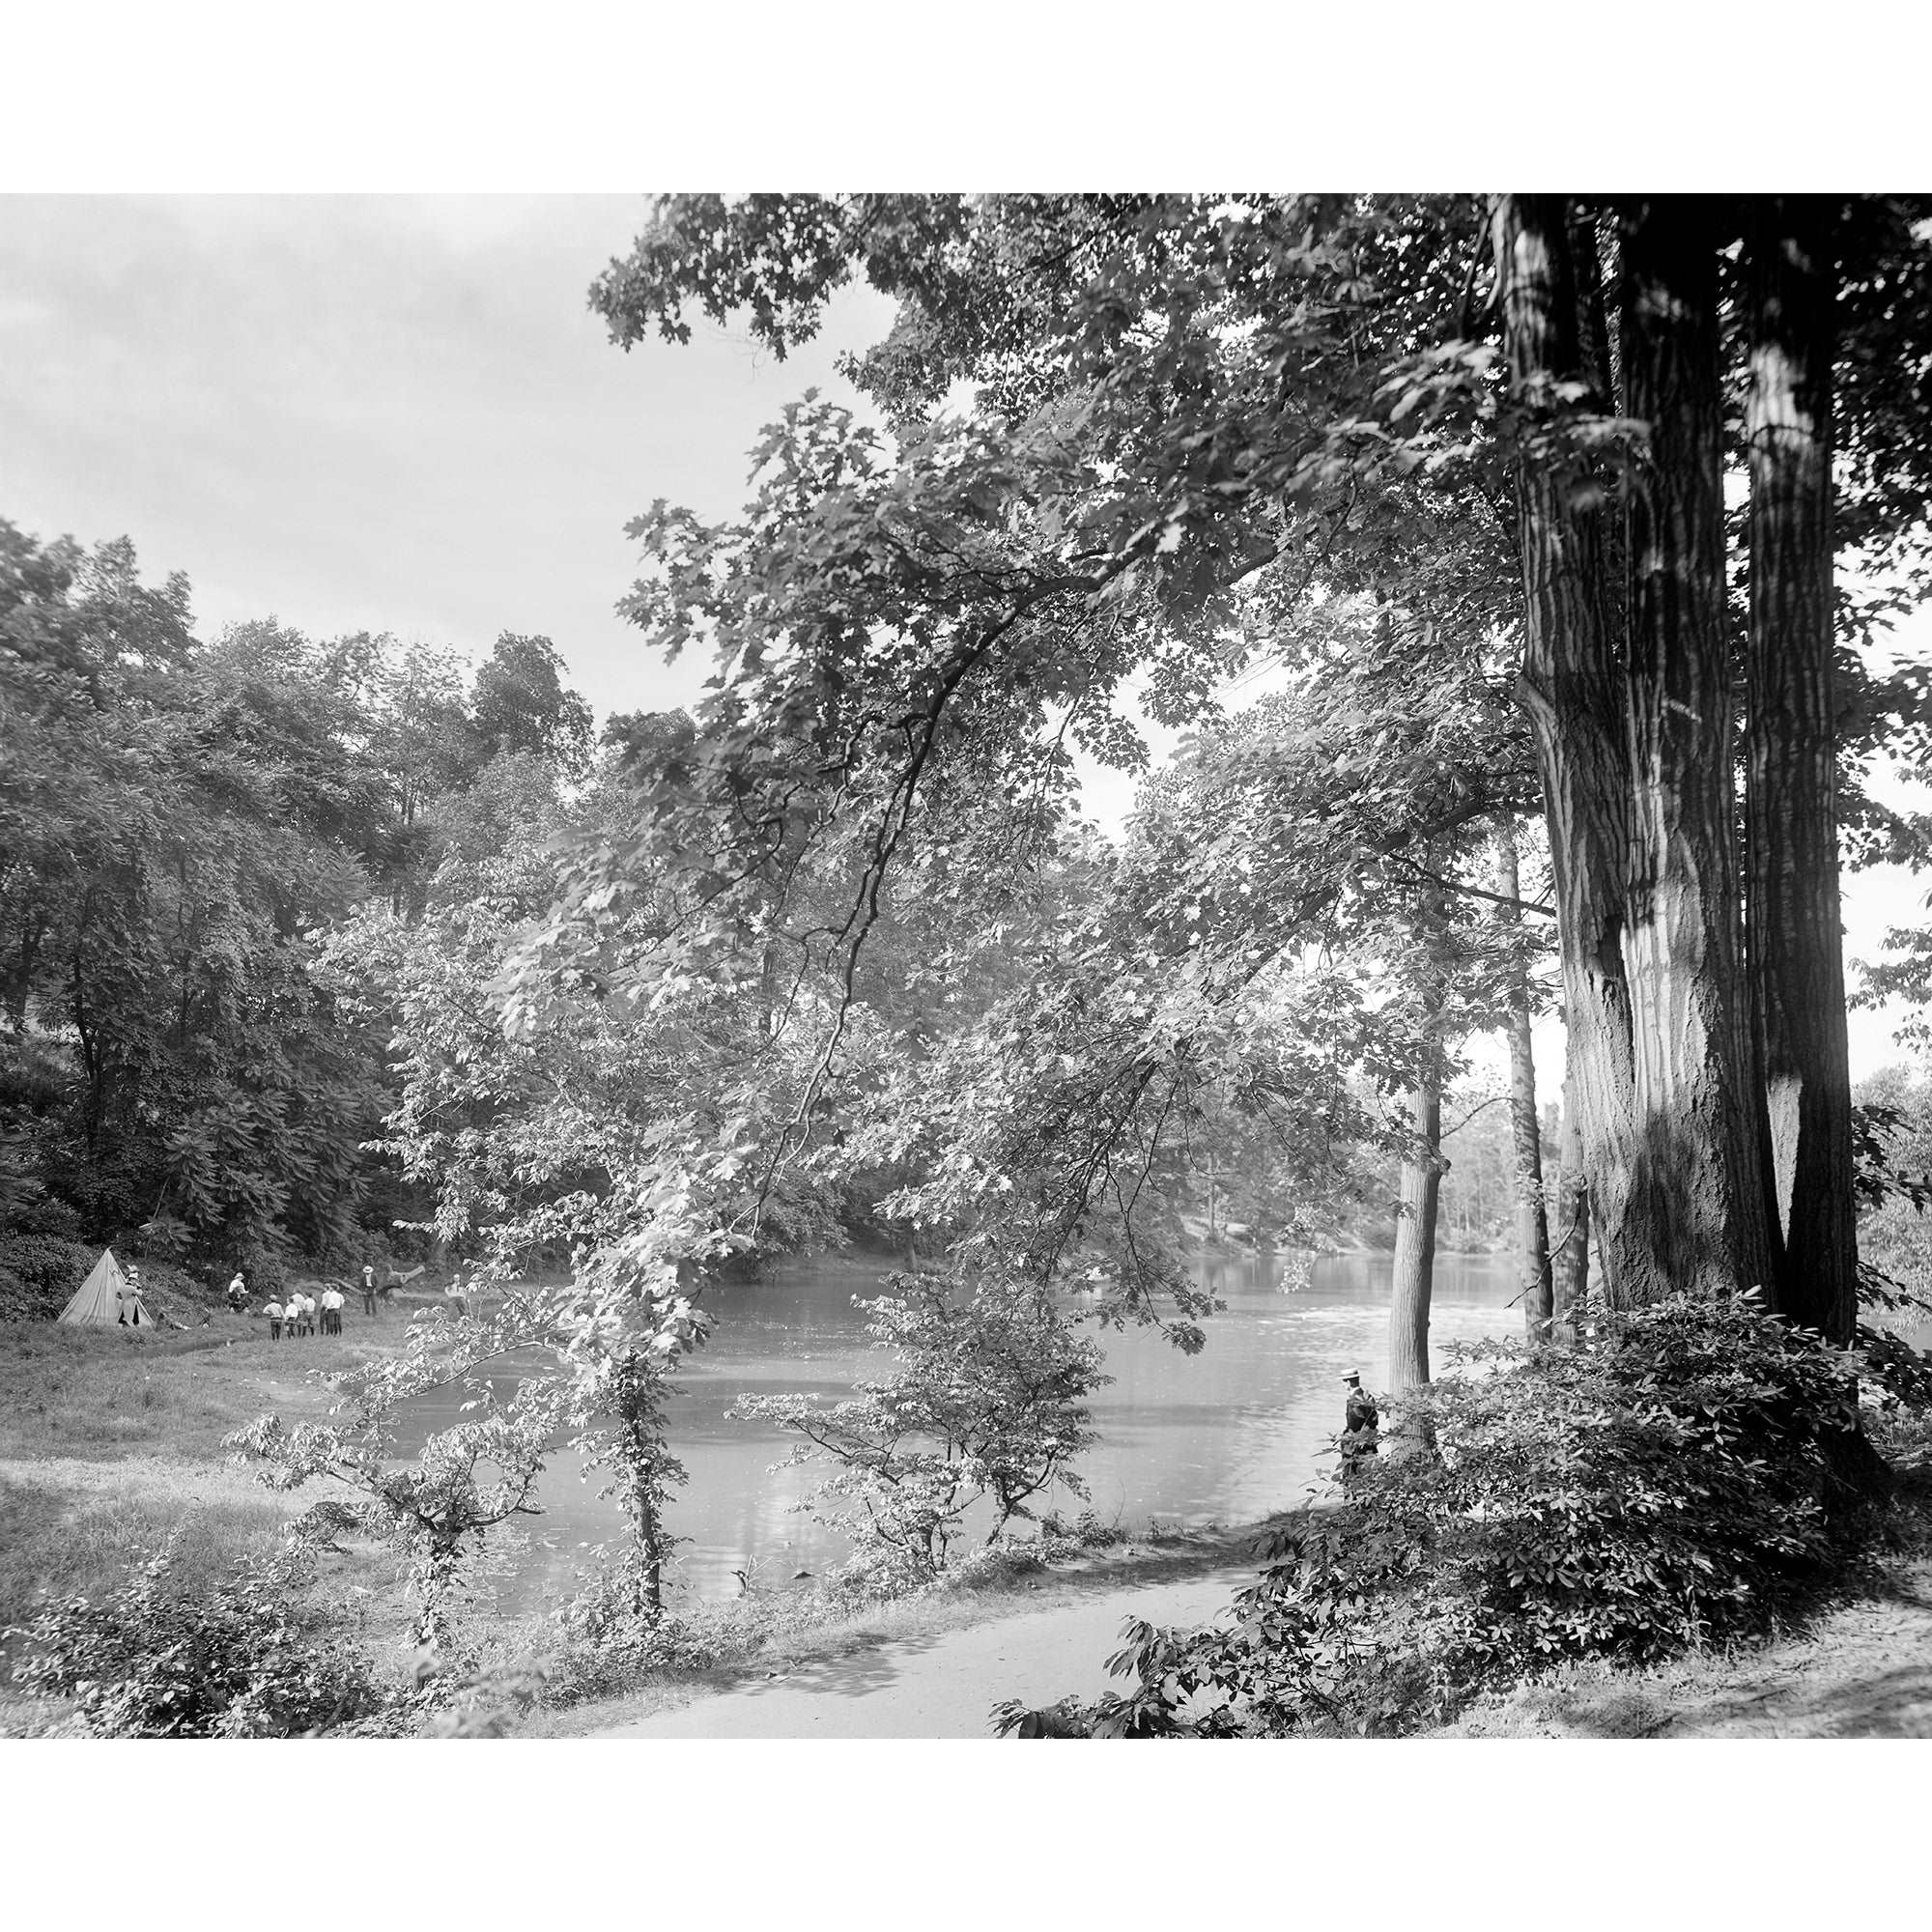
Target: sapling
pixel 990 1404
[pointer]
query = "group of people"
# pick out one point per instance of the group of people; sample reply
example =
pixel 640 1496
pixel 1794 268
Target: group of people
pixel 301 1312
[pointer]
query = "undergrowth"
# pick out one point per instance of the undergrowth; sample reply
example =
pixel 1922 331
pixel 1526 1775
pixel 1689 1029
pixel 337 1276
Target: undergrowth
pixel 1694 1474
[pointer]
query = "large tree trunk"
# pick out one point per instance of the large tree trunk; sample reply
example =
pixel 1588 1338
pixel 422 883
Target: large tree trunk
pixel 1795 955
pixel 1572 691
pixel 1697 1193
pixel 1414 1273
pixel 1532 1219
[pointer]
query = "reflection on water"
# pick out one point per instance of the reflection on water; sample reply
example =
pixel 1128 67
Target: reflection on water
pixel 1225 1436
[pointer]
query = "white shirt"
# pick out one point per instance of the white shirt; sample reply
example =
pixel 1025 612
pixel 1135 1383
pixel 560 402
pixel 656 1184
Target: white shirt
pixel 331 1299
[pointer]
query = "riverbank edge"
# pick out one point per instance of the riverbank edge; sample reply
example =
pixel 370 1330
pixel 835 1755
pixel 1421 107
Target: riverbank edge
pixel 1156 1556
pixel 1857 1663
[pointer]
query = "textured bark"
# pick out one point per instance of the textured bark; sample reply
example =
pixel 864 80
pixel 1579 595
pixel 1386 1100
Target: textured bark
pixel 1697 1196
pixel 1592 311
pixel 1532 1219
pixel 1797 962
pixel 1414 1273
pixel 1572 691
pixel 1569 1258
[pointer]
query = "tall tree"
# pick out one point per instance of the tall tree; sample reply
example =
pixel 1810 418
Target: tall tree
pixel 1792 819
pixel 1189 417
pixel 1414 1275
pixel 1571 689
pixel 1697 1179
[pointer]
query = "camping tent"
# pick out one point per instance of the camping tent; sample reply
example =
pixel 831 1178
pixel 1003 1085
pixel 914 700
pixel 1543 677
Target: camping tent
pixel 99 1303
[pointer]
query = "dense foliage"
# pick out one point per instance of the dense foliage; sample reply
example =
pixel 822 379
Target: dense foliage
pixel 306 944
pixel 248 1659
pixel 181 821
pixel 1681 1479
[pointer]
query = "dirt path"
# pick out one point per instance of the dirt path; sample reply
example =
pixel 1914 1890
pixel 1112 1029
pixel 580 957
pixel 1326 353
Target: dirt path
pixel 943 1685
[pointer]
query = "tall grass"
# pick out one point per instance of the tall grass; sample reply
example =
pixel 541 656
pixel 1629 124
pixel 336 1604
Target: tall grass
pixel 77 1529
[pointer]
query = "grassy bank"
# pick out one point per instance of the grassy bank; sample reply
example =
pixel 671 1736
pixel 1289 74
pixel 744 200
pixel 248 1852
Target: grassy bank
pixel 110 1446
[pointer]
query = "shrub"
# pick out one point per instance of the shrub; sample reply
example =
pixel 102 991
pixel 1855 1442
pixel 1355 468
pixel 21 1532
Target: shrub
pixel 602 1644
pixel 39 1274
pixel 242 1660
pixel 1682 1478
pixel 990 1402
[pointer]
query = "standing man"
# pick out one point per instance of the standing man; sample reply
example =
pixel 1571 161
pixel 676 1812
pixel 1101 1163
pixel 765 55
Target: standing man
pixel 273 1311
pixel 368 1288
pixel 1358 1427
pixel 331 1310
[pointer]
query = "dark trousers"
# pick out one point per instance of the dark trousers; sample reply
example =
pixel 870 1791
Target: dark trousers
pixel 274 1331
pixel 368 1301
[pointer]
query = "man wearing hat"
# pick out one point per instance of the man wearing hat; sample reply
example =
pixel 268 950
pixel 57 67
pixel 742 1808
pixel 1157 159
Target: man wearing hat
pixel 1358 1426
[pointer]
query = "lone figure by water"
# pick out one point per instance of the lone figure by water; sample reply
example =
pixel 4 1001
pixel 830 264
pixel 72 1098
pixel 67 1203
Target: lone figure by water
pixel 1358 1426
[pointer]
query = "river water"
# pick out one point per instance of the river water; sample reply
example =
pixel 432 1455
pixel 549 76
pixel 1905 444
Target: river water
pixel 1225 1436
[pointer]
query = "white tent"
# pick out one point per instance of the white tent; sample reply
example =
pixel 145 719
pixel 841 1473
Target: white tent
pixel 104 1297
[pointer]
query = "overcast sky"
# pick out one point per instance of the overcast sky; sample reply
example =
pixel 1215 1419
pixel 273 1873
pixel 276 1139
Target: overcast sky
pixel 382 413
pixel 398 413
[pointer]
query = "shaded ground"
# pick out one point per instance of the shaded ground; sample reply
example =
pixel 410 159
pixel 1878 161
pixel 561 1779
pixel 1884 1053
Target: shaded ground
pixel 1863 1671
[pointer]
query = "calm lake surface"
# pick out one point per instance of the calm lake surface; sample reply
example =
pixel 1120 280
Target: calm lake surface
pixel 1225 1436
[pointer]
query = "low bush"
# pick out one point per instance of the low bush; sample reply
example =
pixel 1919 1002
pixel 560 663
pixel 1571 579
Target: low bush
pixel 602 1645
pixel 242 1660
pixel 39 1274
pixel 1685 1477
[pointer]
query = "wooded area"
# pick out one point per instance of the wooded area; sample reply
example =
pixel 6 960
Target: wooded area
pixel 1560 528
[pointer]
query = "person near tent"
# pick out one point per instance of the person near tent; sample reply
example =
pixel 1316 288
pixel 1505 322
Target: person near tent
pixel 273 1311
pixel 133 1309
pixel 105 1299
pixel 331 1310
pixel 368 1287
